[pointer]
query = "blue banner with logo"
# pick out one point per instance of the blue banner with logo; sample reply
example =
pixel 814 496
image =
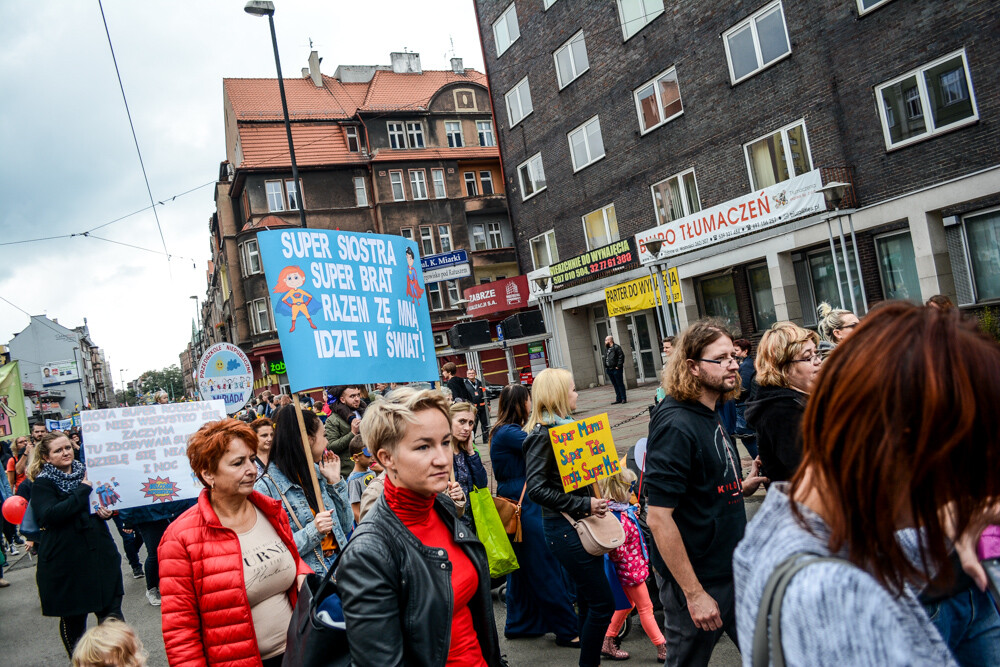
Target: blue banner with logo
pixel 349 308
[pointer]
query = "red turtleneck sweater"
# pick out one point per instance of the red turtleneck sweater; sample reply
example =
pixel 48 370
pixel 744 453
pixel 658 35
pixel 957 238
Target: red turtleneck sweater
pixel 417 513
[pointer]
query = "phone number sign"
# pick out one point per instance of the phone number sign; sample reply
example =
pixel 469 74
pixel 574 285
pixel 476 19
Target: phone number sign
pixel 597 263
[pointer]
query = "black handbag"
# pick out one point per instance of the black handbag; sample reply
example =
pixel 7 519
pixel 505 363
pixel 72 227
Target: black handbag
pixel 310 642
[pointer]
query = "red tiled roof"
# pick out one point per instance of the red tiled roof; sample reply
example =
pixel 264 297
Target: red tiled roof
pixel 266 222
pixel 315 144
pixel 259 99
pixel 467 153
pixel 389 91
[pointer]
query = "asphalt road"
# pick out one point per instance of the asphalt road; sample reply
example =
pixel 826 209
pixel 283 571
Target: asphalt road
pixel 28 639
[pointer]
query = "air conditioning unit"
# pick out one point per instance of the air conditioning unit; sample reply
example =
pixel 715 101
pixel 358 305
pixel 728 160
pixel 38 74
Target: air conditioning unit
pixel 440 339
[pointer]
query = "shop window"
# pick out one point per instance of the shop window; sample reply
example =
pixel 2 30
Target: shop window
pixel 675 197
pixel 637 14
pixel 718 299
pixel 571 60
pixel 759 280
pixel 898 267
pixel 983 236
pixel 778 156
pixel 543 250
pixel 756 42
pixel 816 278
pixel 658 101
pixel 600 227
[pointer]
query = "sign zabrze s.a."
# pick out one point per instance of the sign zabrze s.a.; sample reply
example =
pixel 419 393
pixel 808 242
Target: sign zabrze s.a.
pixel 795 198
pixel 603 261
pixel 497 296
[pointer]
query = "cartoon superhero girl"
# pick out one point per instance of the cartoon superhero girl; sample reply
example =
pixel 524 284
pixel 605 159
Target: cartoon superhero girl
pixel 413 289
pixel 294 299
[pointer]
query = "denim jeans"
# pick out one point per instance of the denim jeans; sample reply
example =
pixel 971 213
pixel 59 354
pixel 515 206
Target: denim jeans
pixel 594 600
pixel 970 625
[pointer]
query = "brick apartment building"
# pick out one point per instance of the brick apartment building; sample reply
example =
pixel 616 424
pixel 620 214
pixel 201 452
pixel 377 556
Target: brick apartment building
pixel 639 114
pixel 384 149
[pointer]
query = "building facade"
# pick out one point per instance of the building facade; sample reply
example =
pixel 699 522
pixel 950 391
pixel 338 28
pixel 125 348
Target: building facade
pixel 643 115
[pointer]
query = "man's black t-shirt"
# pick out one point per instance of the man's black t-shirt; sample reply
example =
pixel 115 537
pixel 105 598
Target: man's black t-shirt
pixel 458 390
pixel 692 466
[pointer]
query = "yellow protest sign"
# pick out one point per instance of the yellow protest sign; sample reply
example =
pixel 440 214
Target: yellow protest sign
pixel 641 294
pixel 585 451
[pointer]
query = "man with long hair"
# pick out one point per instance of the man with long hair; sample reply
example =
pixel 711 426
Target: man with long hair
pixel 694 482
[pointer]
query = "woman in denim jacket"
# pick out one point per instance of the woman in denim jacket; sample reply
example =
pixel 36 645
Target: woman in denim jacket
pixel 318 535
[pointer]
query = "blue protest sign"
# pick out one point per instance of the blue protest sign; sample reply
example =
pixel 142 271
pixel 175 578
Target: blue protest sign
pixel 349 308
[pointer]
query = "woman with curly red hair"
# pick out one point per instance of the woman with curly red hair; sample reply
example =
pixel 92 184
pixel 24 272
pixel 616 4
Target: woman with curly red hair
pixel 210 615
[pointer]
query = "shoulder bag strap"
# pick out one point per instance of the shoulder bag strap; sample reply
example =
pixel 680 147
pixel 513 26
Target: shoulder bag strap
pixel 288 508
pixel 768 650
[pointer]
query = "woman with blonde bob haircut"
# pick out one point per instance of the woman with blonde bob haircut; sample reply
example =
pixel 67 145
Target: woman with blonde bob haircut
pixel 411 563
pixel 787 365
pixel 110 644
pixel 553 400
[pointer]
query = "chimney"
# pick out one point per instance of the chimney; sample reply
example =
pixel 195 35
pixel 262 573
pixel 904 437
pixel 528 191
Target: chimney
pixel 456 66
pixel 405 63
pixel 313 71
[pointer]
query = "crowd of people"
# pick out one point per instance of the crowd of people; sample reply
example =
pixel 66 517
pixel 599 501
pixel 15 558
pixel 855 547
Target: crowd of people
pixel 873 443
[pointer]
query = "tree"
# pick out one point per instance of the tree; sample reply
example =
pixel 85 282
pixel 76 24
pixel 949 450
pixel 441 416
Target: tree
pixel 169 379
pixel 128 398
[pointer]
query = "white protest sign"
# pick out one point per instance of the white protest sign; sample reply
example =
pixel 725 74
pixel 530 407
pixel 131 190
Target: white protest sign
pixel 138 455
pixel 224 373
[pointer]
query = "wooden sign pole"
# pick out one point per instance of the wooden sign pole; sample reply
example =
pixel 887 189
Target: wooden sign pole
pixel 307 445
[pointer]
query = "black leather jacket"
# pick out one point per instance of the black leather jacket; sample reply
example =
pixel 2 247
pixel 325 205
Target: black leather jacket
pixel 397 593
pixel 614 356
pixel 544 482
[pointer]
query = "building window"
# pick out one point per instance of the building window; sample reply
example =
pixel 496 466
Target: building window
pixel 505 30
pixel 418 184
pixel 675 197
pixel 778 156
pixel 932 99
pixel 251 258
pixel 426 241
pixel 260 316
pixel 485 130
pixel 548 3
pixel 543 250
pixel 437 175
pixel 486 178
pixel 406 233
pixel 865 6
pixel 487 236
pixel 763 299
pixel 897 266
pixel 397 137
pixel 360 193
pixel 415 134
pixel 518 102
pixel 600 227
pixel 495 234
pixel 718 299
pixel 758 41
pixel 434 296
pixel 471 190
pixel 444 233
pixel 571 60
pixel 983 240
pixel 454 294
pixel 636 14
pixel 658 101
pixel 396 178
pixel 816 278
pixel 531 176
pixel 453 129
pixel 275 200
pixel 353 144
pixel 585 144
pixel 479 241
pixel 293 195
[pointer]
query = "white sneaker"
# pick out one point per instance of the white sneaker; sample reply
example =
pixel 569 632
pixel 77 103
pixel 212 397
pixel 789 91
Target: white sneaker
pixel 153 595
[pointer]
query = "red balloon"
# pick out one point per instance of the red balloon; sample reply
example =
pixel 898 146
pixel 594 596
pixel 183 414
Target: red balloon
pixel 14 509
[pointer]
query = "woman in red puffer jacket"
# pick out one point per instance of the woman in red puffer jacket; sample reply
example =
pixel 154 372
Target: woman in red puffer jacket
pixel 229 569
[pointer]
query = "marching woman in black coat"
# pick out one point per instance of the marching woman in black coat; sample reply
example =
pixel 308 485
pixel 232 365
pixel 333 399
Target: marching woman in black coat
pixel 79 567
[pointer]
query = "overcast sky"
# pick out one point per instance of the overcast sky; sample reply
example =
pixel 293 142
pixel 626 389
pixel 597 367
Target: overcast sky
pixel 68 162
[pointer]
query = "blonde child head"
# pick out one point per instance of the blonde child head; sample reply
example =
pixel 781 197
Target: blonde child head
pixel 110 643
pixel 618 487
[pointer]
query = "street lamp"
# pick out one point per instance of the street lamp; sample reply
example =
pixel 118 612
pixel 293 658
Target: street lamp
pixel 266 8
pixel 121 374
pixel 833 194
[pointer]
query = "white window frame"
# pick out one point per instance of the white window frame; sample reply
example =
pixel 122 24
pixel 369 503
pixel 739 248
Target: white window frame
pixel 484 130
pixel 393 183
pixel 928 113
pixel 351 133
pixel 257 308
pixel 444 233
pixel 437 178
pixel 550 243
pixel 530 165
pixel 648 16
pixel 290 187
pixel 432 290
pixel 486 240
pixel 516 91
pixel 607 229
pixel 269 193
pixel 249 254
pixel 429 237
pixel 399 134
pixel 785 143
pixel 414 134
pixel 360 191
pixel 497 229
pixel 583 127
pixel 418 184
pixel 406 233
pixel 484 178
pixel 967 246
pixel 659 100
pixel 472 181
pixel 685 204
pixel 548 3
pixel 455 138
pixel 861 8
pixel 505 20
pixel 567 46
pixel 454 293
pixel 751 20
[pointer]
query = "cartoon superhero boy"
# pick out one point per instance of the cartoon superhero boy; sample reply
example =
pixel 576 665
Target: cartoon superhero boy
pixel 296 300
pixel 413 289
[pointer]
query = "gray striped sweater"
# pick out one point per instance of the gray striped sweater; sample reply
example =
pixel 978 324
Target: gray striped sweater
pixel 833 613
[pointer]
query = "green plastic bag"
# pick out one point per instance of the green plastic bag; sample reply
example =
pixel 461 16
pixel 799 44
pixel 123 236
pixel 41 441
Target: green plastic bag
pixel 492 534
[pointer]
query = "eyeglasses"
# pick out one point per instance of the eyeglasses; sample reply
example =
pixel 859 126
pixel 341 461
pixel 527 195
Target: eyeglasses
pixel 722 362
pixel 814 359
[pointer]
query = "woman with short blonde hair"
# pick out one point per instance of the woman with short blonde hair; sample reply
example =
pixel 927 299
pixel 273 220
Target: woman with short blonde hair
pixel 111 644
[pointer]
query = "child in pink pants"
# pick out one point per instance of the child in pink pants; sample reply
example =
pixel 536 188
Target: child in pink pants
pixel 631 562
